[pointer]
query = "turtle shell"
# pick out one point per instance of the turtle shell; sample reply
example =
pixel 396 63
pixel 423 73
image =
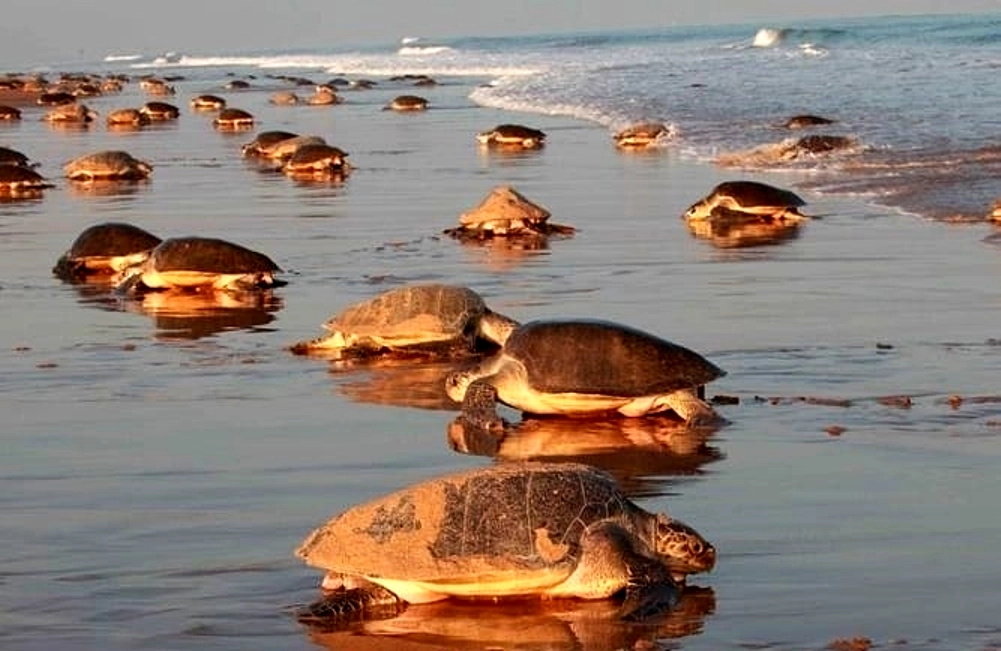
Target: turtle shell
pixel 408 103
pixel 515 133
pixel 10 156
pixel 9 113
pixel 15 177
pixel 504 204
pixel 209 255
pixel 160 111
pixel 285 149
pixel 233 117
pixel 747 194
pixel 265 141
pixel 603 358
pixel 514 527
pixel 128 117
pixel 412 314
pixel 315 156
pixel 109 164
pixel 213 102
pixel 111 239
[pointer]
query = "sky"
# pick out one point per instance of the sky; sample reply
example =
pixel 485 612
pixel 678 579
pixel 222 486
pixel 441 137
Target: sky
pixel 35 32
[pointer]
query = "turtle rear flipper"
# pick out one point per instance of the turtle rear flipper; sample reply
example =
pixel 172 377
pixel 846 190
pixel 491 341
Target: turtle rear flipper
pixel 342 607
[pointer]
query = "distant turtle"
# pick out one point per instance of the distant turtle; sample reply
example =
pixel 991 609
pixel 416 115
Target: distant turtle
pixel 761 199
pixel 233 118
pixel 105 249
pixel 56 98
pixel 10 156
pixel 316 159
pixel 284 98
pixel 9 113
pixel 160 111
pixel 156 86
pixel 108 165
pixel 820 144
pixel 642 135
pixel 207 103
pixel 127 117
pixel 17 179
pixel 282 150
pixel 506 213
pixel 515 530
pixel 418 320
pixel 200 263
pixel 238 84
pixel 577 367
pixel 805 121
pixel 70 114
pixel 324 96
pixel 264 141
pixel 516 135
pixel 407 103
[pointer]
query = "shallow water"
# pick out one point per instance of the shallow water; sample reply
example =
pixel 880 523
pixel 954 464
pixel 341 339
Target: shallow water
pixel 158 470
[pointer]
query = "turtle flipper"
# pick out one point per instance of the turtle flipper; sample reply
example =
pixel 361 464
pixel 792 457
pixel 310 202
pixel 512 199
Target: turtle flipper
pixel 651 590
pixel 342 607
pixel 479 409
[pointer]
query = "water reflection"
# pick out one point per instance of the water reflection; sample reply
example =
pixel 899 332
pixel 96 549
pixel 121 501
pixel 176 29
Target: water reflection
pixel 505 253
pixel 399 383
pixel 570 625
pixel 731 229
pixel 193 315
pixel 638 452
pixel 107 188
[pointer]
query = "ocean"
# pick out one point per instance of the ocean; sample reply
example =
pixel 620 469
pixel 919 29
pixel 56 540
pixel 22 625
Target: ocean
pixel 160 459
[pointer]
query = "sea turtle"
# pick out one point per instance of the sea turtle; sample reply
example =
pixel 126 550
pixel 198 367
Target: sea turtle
pixel 512 135
pixel 515 530
pixel 505 212
pixel 805 121
pixel 238 84
pixel 207 103
pixel 56 98
pixel 283 149
pixel 642 135
pixel 264 141
pixel 160 111
pixel 324 96
pixel 18 179
pixel 108 165
pixel 104 249
pixel 10 156
pixel 284 98
pixel 407 103
pixel 819 144
pixel 316 159
pixel 9 113
pixel 155 86
pixel 200 263
pixel 414 320
pixel 233 118
pixel 577 367
pixel 70 114
pixel 127 117
pixel 766 201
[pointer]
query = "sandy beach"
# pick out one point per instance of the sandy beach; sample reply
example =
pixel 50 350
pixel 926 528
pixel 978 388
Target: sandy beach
pixel 159 469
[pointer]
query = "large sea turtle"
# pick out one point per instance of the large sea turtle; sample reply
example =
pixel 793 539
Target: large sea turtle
pixel 70 114
pixel 264 141
pixel 160 111
pixel 105 249
pixel 278 149
pixel 414 320
pixel 642 135
pixel 579 367
pixel 200 263
pixel 549 530
pixel 506 212
pixel 316 160
pixel 512 135
pixel 108 165
pixel 752 197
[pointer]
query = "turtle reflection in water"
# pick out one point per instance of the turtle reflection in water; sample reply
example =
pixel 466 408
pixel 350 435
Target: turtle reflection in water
pixel 732 229
pixel 194 315
pixel 514 530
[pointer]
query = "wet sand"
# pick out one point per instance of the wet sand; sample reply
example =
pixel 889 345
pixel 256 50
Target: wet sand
pixel 159 470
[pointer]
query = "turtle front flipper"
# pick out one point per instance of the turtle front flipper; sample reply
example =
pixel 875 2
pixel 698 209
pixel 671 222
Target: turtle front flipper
pixel 651 590
pixel 341 607
pixel 479 409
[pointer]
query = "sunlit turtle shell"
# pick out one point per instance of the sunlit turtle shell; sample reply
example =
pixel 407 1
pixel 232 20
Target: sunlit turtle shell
pixel 233 118
pixel 127 117
pixel 408 103
pixel 105 249
pixel 160 111
pixel 512 135
pixel 107 165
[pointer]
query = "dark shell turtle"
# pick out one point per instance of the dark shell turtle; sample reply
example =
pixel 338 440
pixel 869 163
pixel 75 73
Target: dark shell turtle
pixel 105 249
pixel 109 165
pixel 9 113
pixel 544 530
pixel 505 212
pixel 806 121
pixel 71 114
pixel 316 159
pixel 516 135
pixel 238 84
pixel 208 103
pixel 127 117
pixel 10 156
pixel 407 103
pixel 200 263
pixel 578 367
pixel 820 144
pixel 160 111
pixel 761 199
pixel 16 179
pixel 56 98
pixel 642 135
pixel 233 118
pixel 264 142
pixel 413 320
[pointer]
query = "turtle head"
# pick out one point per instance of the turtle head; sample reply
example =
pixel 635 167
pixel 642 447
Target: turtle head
pixel 698 210
pixel 457 382
pixel 681 548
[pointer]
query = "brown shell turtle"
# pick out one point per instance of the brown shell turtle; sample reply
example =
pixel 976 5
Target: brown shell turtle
pixel 160 111
pixel 56 98
pixel 642 135
pixel 127 117
pixel 207 103
pixel 9 113
pixel 200 263
pixel 284 98
pixel 506 213
pixel 806 121
pixel 576 367
pixel 70 114
pixel 108 165
pixel 407 103
pixel 765 201
pixel 415 320
pixel 282 150
pixel 264 141
pixel 233 118
pixel 105 249
pixel 324 96
pixel 18 179
pixel 514 530
pixel 512 135
pixel 316 159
